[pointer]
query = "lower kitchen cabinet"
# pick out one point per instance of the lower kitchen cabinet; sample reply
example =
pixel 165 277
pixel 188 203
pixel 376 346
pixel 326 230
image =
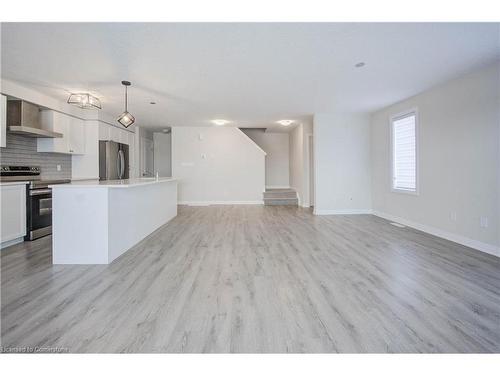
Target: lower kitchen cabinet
pixel 3 120
pixel 13 211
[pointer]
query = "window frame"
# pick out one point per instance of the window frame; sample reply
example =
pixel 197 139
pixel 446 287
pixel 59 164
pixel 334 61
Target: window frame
pixel 398 116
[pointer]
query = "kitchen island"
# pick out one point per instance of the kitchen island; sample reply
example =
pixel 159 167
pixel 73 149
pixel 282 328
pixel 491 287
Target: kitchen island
pixel 94 222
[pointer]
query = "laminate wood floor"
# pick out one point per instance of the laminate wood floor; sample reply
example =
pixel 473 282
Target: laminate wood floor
pixel 259 279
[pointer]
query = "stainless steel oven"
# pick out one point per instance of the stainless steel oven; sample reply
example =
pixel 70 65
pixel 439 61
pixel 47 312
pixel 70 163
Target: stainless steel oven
pixel 39 208
pixel 38 198
pixel 38 212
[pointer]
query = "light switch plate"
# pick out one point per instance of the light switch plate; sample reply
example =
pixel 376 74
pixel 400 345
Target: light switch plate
pixel 58 167
pixel 483 222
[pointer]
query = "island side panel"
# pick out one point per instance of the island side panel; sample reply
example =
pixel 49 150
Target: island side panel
pixel 136 212
pixel 79 225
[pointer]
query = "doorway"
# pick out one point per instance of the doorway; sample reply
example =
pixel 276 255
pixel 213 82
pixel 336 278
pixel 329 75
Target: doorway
pixel 147 157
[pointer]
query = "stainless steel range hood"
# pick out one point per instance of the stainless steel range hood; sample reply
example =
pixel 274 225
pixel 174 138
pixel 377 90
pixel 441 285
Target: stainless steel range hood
pixel 24 118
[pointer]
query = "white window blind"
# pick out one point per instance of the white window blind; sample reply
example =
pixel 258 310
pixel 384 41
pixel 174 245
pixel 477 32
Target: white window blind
pixel 404 153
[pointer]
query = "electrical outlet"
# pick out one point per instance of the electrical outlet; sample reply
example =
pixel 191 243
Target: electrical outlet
pixel 453 216
pixel 58 167
pixel 483 222
pixel 200 136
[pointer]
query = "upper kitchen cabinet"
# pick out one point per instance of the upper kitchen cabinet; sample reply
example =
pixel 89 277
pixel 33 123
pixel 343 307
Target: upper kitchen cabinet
pixel 73 130
pixel 104 130
pixel 3 120
pixel 113 133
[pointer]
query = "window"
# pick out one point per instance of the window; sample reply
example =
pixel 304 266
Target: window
pixel 404 152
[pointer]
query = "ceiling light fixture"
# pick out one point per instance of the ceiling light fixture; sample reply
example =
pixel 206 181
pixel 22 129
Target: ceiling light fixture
pixel 84 100
pixel 126 119
pixel 220 122
pixel 285 122
pixel 360 64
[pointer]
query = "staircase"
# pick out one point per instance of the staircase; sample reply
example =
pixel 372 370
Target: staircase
pixel 280 197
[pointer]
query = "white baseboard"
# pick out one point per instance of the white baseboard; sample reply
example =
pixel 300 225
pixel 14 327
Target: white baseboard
pixel 212 203
pixel 278 187
pixel 6 244
pixel 354 211
pixel 478 245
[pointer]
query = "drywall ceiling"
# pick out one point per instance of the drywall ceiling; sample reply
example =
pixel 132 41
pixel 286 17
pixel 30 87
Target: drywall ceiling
pixel 252 74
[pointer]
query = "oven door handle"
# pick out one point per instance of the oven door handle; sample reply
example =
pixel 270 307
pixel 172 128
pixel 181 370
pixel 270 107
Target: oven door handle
pixel 40 192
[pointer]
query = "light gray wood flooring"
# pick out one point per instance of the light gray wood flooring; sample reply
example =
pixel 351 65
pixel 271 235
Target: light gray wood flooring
pixel 259 279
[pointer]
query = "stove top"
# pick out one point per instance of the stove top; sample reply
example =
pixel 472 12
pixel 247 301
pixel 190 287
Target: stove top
pixel 29 173
pixel 43 184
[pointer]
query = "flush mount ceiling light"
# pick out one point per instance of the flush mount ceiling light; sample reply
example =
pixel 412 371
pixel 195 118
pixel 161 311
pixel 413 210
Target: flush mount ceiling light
pixel 85 101
pixel 126 119
pixel 285 122
pixel 360 64
pixel 220 122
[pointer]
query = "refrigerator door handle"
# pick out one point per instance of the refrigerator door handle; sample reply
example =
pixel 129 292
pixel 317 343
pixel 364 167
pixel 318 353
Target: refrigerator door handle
pixel 118 166
pixel 122 163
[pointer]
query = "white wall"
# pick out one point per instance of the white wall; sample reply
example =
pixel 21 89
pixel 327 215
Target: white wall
pixel 296 150
pixel 162 159
pixel 459 161
pixel 276 146
pixel 217 165
pixel 342 163
pixel 299 162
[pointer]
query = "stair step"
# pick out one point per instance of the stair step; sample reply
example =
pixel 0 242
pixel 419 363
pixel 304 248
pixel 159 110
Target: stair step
pixel 285 194
pixel 281 202
pixel 281 197
pixel 280 193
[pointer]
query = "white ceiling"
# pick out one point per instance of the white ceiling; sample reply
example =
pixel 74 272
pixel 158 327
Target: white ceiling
pixel 252 74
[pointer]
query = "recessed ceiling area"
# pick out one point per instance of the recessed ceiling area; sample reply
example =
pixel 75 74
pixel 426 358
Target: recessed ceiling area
pixel 252 74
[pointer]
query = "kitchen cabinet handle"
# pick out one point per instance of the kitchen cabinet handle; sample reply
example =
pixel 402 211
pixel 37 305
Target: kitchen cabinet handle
pixel 40 192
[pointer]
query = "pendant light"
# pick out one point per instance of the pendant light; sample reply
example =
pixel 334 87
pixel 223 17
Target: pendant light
pixel 85 101
pixel 126 119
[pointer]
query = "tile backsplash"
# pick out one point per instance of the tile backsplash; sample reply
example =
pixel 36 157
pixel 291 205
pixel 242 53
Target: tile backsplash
pixel 21 150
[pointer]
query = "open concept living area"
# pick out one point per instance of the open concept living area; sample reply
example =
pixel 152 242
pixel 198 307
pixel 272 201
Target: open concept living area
pixel 250 187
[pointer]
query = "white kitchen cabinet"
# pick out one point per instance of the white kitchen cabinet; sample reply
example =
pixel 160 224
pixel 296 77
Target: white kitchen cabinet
pixel 124 136
pixel 3 121
pixel 77 136
pixel 13 211
pixel 104 131
pixel 73 130
pixel 114 134
pixel 86 166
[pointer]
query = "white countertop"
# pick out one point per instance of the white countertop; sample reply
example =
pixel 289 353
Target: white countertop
pixel 7 183
pixel 133 182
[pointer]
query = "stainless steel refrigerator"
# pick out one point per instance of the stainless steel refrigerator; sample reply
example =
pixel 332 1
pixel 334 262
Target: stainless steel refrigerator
pixel 113 160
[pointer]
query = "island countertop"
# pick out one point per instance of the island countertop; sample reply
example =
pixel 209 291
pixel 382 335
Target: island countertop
pixel 126 183
pixel 94 222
